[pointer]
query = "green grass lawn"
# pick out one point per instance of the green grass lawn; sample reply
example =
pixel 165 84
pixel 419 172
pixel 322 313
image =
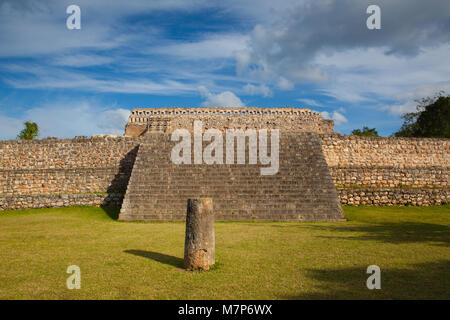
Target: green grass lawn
pixel 128 260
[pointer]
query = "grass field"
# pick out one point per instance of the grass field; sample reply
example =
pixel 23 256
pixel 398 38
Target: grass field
pixel 128 260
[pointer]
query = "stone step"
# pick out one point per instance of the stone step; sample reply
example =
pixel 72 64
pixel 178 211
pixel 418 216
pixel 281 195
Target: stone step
pixel 302 190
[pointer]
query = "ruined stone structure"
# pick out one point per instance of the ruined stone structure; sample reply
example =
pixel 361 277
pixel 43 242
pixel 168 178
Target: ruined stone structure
pixel 63 172
pixel 318 169
pixel 164 120
pixel 389 171
pixel 302 190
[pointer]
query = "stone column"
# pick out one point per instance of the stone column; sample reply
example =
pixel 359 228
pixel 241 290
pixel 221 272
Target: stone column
pixel 199 242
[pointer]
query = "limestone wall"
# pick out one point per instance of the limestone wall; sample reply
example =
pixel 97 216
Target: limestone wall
pixel 61 200
pixel 388 152
pixel 301 190
pixel 389 171
pixel 36 173
pixel 393 197
pixel 81 152
pixel 390 176
pixel 147 120
pixel 375 171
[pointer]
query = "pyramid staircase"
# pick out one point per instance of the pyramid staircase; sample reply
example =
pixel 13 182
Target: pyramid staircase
pixel 302 190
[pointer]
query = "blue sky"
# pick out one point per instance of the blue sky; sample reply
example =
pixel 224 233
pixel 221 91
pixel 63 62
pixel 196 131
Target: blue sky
pixel 317 54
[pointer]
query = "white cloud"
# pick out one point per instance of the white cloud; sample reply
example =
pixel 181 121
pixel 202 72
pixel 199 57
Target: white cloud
pixel 259 11
pixel 337 117
pixel 81 60
pixel 287 47
pixel 225 99
pixel 38 30
pixel 310 103
pixel 407 101
pixel 262 90
pixel 285 84
pixel 213 47
pixel 368 78
pixel 347 62
pixel 66 119
pixel 33 28
pixel 10 127
pixel 37 77
pixel 113 121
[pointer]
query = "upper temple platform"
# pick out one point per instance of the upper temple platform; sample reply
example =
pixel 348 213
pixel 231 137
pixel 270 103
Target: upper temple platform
pixel 147 120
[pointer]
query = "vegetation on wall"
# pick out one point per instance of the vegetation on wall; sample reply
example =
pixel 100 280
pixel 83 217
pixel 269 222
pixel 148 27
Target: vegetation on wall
pixel 30 131
pixel 365 132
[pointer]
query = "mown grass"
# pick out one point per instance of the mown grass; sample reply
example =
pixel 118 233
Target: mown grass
pixel 122 260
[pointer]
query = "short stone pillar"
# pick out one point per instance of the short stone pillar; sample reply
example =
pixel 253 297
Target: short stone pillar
pixel 199 242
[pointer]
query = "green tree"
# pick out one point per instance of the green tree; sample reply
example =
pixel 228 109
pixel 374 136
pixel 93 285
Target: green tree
pixel 365 132
pixel 432 119
pixel 30 131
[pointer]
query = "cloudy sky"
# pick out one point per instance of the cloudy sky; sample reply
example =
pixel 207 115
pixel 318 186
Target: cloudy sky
pixel 151 53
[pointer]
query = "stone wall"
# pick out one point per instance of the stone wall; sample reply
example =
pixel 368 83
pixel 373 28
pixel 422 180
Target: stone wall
pixel 393 197
pixel 301 190
pixel 390 176
pixel 80 171
pixel 165 120
pixel 94 171
pixel 389 171
pixel 385 152
pixel 60 200
pixel 70 180
pixel 80 152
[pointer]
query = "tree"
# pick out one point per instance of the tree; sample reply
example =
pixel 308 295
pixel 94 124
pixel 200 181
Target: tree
pixel 30 131
pixel 365 132
pixel 432 119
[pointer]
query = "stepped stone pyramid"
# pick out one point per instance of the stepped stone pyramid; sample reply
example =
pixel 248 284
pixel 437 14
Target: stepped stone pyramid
pixel 302 190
